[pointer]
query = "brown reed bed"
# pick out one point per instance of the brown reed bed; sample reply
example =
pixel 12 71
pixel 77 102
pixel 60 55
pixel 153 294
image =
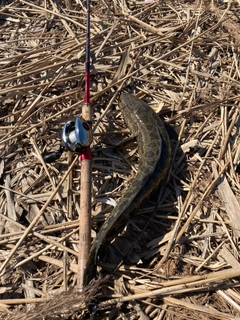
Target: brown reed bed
pixel 178 258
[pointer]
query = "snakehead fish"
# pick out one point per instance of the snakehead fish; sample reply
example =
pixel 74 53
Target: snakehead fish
pixel 154 153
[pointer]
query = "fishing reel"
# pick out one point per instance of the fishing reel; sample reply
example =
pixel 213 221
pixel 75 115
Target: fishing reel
pixel 75 136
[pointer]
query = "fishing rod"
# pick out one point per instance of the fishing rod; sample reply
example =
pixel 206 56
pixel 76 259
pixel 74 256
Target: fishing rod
pixel 76 137
pixel 86 173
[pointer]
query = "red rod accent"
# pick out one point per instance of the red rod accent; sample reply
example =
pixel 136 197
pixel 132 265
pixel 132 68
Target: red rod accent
pixel 86 154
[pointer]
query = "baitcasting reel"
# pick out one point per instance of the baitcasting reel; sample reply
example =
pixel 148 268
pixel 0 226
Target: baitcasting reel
pixel 75 136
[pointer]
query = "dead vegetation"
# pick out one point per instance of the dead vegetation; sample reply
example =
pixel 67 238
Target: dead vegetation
pixel 179 257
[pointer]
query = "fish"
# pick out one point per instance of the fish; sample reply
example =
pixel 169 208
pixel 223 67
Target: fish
pixel 154 160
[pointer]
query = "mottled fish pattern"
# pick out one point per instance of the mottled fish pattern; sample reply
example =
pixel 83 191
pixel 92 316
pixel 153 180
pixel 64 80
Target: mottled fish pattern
pixel 154 154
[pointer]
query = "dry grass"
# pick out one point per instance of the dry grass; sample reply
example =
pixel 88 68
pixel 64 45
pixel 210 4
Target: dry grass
pixel 179 257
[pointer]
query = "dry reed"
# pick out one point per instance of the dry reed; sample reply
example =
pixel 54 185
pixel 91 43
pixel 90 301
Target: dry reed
pixel 179 257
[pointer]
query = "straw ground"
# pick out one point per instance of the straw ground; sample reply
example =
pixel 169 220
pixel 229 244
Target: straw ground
pixel 178 258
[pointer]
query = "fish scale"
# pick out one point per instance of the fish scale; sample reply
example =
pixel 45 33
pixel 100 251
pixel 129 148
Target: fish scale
pixel 154 153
